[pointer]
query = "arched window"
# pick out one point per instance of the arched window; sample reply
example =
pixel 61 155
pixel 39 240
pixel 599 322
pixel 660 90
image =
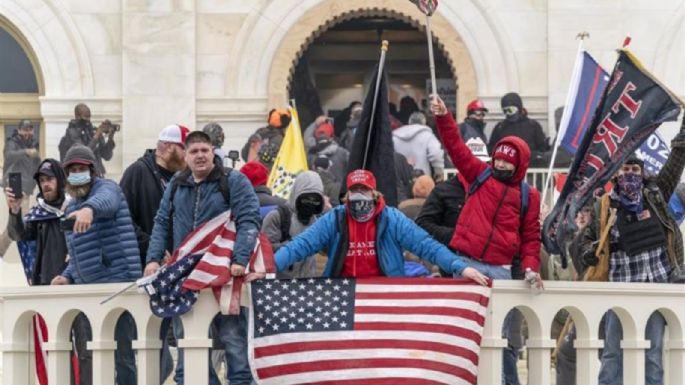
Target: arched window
pixel 21 84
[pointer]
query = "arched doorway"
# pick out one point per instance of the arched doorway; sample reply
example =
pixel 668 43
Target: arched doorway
pixel 21 84
pixel 337 65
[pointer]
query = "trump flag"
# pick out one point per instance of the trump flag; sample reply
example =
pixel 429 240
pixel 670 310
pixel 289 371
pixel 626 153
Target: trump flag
pixel 366 331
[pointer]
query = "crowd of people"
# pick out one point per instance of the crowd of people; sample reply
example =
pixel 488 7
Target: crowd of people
pixel 482 223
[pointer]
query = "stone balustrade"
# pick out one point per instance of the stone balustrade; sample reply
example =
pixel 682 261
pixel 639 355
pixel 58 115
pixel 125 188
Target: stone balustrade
pixel 585 301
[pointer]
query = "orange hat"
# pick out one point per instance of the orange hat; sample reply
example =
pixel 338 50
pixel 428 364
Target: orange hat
pixel 279 118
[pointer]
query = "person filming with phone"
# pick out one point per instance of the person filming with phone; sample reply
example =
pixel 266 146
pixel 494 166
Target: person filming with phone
pixel 21 161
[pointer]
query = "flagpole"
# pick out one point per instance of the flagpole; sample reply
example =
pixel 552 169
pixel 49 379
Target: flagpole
pixel 431 59
pixel 381 64
pixel 564 116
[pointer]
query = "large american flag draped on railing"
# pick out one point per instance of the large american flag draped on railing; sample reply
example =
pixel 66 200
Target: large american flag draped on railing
pixel 203 260
pixel 380 331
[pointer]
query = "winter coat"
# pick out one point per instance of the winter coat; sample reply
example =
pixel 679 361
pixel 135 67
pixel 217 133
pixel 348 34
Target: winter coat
pixel 441 210
pixel 656 192
pixel 337 155
pixel 17 160
pixel 267 201
pixel 306 182
pixel 270 139
pixel 528 130
pixel 51 245
pixel 490 228
pixel 469 129
pixel 421 148
pixel 411 207
pixel 196 203
pixel 331 187
pixel 85 135
pixel 403 177
pixel 143 186
pixel 394 232
pixel 108 251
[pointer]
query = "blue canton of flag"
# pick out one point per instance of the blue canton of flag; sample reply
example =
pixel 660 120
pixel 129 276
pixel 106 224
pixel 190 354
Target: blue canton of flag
pixel 27 249
pixel 294 306
pixel 167 296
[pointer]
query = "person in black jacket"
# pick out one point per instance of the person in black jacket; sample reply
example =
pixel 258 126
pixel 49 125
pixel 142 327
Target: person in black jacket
pixel 144 181
pixel 518 124
pixel 42 222
pixel 440 212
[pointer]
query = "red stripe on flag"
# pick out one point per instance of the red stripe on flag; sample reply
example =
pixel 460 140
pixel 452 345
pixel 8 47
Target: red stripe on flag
pixel 327 365
pixel 475 297
pixel 296 347
pixel 415 281
pixel 586 112
pixel 420 327
pixel 426 310
pixel 378 381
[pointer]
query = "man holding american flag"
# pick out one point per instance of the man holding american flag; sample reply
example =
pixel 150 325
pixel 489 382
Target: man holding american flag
pixel 202 194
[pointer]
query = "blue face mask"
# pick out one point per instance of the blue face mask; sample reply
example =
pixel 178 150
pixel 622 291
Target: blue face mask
pixel 79 178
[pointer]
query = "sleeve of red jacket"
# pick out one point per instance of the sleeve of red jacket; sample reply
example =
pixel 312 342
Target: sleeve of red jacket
pixel 530 234
pixel 467 164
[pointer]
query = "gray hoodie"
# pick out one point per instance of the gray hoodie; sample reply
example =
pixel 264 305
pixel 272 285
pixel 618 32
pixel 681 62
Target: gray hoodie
pixel 306 182
pixel 421 148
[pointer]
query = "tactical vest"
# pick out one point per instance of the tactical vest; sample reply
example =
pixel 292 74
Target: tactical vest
pixel 637 236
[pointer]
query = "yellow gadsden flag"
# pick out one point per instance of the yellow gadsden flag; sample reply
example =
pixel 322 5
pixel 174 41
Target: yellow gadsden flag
pixel 291 159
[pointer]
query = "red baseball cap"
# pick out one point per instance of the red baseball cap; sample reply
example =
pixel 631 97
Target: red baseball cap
pixel 361 177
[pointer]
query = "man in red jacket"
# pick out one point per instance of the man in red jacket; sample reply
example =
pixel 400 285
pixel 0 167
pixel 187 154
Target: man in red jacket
pixel 491 231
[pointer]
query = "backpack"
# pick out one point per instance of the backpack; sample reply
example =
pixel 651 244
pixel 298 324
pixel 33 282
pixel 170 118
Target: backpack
pixel 525 190
pixel 285 216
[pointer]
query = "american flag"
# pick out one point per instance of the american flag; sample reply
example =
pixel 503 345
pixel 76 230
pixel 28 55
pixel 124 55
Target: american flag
pixel 426 6
pixel 406 331
pixel 203 260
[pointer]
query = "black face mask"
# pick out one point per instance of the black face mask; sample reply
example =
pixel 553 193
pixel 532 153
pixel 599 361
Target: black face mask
pixel 503 175
pixel 479 124
pixel 307 205
pixel 513 117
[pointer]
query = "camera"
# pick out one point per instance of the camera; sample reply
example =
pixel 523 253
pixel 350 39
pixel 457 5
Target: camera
pixel 112 127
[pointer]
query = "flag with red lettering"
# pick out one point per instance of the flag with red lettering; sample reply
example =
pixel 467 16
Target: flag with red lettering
pixel 633 105
pixel 382 331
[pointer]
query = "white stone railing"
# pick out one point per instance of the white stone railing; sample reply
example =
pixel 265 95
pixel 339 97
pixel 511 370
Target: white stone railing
pixel 585 301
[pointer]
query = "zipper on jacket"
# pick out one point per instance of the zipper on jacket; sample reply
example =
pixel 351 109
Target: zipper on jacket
pixel 492 229
pixel 196 205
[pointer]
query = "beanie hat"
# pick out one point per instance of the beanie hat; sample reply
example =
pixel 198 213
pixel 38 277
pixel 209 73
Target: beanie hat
pixel 79 154
pixel 279 118
pixel 423 186
pixel 214 129
pixel 324 131
pixel 256 172
pixel 506 152
pixel 512 99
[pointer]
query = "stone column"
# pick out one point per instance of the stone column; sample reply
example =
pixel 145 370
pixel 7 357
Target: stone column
pixel 58 362
pixel 539 356
pixel 158 70
pixel 634 361
pixel 15 363
pixel 490 361
pixel 148 361
pixel 587 361
pixel 674 361
pixel 103 361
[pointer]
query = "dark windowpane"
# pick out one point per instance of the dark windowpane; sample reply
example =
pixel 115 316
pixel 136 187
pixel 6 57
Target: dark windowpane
pixel 16 72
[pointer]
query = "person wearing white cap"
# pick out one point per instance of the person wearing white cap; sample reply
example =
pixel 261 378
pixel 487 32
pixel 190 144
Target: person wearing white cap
pixel 143 184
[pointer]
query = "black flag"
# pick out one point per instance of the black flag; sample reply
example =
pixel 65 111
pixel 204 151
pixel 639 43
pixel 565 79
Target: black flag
pixel 373 141
pixel 634 104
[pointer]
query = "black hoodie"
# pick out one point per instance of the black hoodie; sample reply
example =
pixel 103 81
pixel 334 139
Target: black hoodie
pixel 51 245
pixel 143 185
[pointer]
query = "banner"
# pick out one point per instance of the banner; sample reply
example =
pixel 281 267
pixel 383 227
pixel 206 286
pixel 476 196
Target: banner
pixel 632 107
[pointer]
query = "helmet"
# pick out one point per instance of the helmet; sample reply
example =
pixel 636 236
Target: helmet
pixel 475 105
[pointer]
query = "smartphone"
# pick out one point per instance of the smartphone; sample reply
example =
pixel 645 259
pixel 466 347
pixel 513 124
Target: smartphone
pixel 15 184
pixel 67 224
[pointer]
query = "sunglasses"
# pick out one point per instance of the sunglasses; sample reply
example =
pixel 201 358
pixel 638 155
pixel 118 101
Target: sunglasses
pixel 631 168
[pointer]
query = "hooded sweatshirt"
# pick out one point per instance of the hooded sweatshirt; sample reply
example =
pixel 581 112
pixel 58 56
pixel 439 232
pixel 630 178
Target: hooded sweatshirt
pixel 490 228
pixel 306 182
pixel 42 224
pixel 421 148
pixel 528 130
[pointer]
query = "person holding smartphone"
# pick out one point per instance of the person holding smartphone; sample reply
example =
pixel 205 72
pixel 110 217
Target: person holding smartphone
pixel 21 161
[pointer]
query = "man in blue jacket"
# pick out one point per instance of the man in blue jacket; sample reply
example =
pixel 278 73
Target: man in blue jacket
pixel 200 194
pixel 102 247
pixel 365 238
